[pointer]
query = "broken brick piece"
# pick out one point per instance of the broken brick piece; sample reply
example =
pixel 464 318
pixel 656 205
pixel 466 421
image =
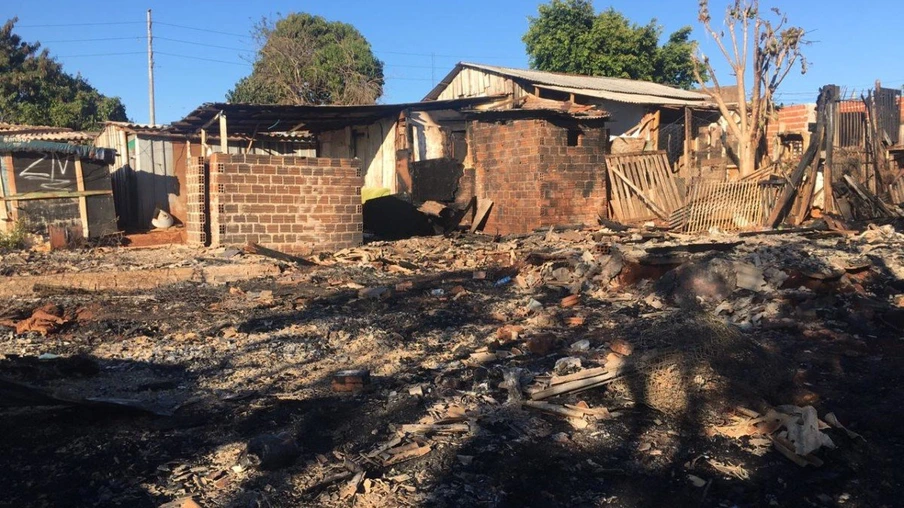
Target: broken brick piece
pixel 570 301
pixel 621 347
pixel 350 380
pixel 542 344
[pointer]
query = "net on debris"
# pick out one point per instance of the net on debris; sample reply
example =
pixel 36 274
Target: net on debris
pixel 684 359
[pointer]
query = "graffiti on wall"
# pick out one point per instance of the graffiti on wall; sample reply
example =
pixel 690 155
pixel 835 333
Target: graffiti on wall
pixel 52 171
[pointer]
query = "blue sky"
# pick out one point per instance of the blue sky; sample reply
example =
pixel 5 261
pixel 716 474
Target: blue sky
pixel 202 47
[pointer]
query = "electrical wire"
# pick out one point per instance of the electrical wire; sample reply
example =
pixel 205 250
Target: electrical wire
pixel 199 44
pixel 84 24
pixel 201 58
pixel 201 29
pixel 101 54
pixel 137 37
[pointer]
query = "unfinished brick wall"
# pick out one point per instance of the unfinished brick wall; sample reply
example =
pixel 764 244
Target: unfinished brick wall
pixel 196 199
pixel 793 119
pixel 292 204
pixel 534 177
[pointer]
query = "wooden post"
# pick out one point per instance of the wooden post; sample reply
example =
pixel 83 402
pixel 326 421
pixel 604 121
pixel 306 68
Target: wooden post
pixel 82 200
pixel 403 152
pixel 11 186
pixel 654 129
pixel 5 210
pixel 124 153
pixel 224 142
pixel 810 156
pixel 688 135
pixel 827 173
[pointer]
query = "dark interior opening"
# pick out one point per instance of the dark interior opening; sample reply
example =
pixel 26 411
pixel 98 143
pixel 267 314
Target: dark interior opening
pixel 574 137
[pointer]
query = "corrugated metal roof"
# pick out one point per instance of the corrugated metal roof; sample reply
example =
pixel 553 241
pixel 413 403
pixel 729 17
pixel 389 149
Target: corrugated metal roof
pixel 11 132
pixel 653 92
pixel 139 126
pixel 631 98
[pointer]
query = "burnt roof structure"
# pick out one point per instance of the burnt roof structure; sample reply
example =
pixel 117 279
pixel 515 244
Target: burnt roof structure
pixel 254 119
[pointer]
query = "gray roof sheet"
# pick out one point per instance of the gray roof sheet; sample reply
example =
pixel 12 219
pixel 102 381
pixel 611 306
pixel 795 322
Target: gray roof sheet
pixel 577 81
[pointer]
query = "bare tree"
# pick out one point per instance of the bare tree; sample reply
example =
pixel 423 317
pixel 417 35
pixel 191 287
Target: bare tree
pixel 756 47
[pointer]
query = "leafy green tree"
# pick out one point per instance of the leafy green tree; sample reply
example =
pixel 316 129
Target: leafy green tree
pixel 35 90
pixel 305 59
pixel 569 36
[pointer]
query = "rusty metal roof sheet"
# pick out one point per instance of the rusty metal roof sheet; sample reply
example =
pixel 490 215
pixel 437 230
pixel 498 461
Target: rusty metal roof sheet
pixel 627 90
pixel 10 132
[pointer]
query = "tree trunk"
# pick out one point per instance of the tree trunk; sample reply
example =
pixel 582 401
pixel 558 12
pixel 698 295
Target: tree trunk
pixel 747 159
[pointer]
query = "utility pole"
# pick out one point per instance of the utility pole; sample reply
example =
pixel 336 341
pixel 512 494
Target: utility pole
pixel 151 70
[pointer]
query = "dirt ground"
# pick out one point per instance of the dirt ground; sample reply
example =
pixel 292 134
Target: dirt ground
pixel 167 386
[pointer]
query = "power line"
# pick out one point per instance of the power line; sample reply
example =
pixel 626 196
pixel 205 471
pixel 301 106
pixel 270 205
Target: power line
pixel 200 44
pixel 457 57
pixel 204 59
pixel 407 79
pixel 137 37
pixel 100 54
pixel 84 24
pixel 203 30
pixel 408 66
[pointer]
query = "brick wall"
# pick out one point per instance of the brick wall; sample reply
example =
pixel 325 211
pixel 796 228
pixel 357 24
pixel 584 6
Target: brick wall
pixel 533 177
pixel 793 119
pixel 292 204
pixel 796 117
pixel 196 200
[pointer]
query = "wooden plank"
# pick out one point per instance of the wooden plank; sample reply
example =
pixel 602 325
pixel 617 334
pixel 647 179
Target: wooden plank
pixel 688 134
pixel 483 210
pixel 28 196
pixel 831 118
pixel 553 409
pixel 82 200
pixel 665 173
pixel 616 202
pixel 816 142
pixel 654 129
pixel 4 210
pixel 652 182
pixel 635 207
pixel 636 164
pixel 11 184
pixel 627 199
pixel 224 141
pixel 653 206
pixel 658 181
pixel 580 384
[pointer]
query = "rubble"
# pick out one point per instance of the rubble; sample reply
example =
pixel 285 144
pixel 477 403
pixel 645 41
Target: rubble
pixel 461 370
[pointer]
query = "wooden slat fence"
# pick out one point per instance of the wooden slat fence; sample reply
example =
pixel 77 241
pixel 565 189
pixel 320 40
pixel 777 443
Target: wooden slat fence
pixel 642 187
